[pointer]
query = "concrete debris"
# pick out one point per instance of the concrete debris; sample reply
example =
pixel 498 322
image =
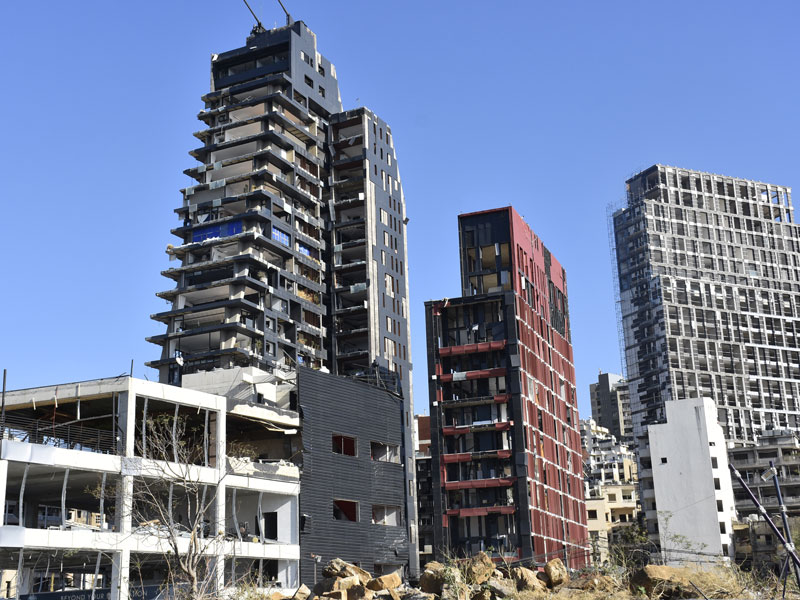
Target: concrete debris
pixel 479 568
pixel 474 579
pixel 302 593
pixel 386 582
pixel 339 568
pixel 526 580
pixel 435 575
pixel 556 573
pixel 482 594
pixel 501 588
pixel 669 582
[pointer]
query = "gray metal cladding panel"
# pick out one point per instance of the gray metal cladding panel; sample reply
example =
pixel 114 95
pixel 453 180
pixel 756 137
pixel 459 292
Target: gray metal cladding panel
pixel 331 405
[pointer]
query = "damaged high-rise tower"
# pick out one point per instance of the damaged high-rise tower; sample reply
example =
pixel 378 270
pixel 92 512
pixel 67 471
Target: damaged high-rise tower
pixel 709 296
pixel 506 451
pixel 291 243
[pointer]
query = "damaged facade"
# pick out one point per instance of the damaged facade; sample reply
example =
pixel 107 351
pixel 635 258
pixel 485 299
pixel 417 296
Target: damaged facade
pixel 78 514
pixel 92 450
pixel 292 248
pixel 506 450
pixel 353 495
pixel 709 295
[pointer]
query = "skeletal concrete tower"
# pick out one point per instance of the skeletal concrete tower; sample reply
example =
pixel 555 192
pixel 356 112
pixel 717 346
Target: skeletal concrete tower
pixel 709 286
pixel 710 289
pixel 293 241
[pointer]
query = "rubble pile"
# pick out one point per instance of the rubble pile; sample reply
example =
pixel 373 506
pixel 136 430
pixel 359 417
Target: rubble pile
pixel 477 578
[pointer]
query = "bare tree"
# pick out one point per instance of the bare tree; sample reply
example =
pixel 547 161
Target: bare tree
pixel 174 503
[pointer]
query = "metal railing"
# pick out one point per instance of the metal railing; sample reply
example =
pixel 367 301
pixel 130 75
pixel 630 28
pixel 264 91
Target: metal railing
pixel 73 436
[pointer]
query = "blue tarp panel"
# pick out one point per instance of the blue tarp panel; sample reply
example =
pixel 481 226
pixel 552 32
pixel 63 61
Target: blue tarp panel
pixel 280 236
pixel 212 231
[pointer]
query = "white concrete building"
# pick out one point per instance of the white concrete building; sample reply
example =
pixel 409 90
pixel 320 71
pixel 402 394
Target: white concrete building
pixel 94 446
pixel 687 487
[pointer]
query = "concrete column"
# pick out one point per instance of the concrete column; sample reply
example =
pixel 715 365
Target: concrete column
pixel 219 499
pixel 120 575
pixel 127 420
pixel 124 516
pixel 127 426
pixel 24 581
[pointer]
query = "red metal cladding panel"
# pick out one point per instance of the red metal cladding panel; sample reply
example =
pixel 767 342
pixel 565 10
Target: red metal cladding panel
pixel 480 483
pixel 481 511
pixel 462 429
pixel 472 348
pixel 455 458
pixel 480 374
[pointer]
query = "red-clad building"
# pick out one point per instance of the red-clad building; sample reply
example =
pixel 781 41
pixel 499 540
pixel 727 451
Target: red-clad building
pixel 505 440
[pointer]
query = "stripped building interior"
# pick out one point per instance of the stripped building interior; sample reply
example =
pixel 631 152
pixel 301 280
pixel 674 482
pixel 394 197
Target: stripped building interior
pixel 81 464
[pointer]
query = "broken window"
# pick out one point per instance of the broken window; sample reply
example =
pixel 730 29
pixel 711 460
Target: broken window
pixel 343 444
pixel 385 452
pixel 271 525
pixel 385 515
pixel 345 510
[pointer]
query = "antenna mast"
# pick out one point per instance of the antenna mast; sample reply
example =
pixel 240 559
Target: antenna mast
pixel 288 16
pixel 258 27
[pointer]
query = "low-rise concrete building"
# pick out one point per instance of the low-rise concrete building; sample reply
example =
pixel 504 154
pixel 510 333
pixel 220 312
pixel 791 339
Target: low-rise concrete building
pixel 687 494
pixel 782 447
pixel 610 508
pixel 610 482
pixel 160 469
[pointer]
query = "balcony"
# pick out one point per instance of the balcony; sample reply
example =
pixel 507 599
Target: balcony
pixel 468 375
pixel 477 426
pixel 472 348
pixel 481 511
pixel 477 455
pixel 74 436
pixel 489 482
pixel 478 400
pixel 262 469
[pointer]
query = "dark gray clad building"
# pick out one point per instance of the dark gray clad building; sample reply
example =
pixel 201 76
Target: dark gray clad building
pixel 353 497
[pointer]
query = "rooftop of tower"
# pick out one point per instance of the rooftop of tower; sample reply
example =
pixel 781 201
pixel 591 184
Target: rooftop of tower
pixel 695 171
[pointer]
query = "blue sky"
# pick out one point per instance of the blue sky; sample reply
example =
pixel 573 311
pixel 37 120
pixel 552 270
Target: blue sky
pixel 548 106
